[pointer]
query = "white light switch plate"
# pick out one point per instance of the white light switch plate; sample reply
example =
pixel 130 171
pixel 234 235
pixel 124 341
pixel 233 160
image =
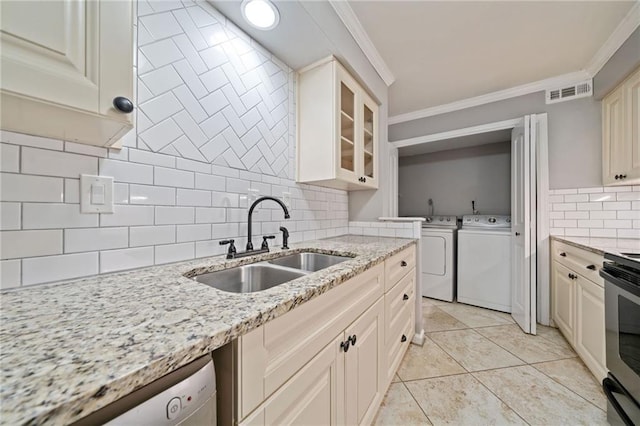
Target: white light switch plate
pixel 96 194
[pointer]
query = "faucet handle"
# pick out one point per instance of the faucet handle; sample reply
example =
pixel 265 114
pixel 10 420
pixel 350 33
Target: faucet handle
pixel 232 248
pixel 265 245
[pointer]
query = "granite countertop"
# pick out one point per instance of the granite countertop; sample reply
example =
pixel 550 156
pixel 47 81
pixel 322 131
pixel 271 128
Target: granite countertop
pixel 602 245
pixel 71 348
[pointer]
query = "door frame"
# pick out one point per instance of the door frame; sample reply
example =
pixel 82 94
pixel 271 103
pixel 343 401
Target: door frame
pixel 543 274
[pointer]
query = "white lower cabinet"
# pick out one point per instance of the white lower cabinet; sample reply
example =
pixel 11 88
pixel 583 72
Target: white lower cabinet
pixel 590 330
pixel 563 300
pixel 328 361
pixel 578 303
pixel 315 395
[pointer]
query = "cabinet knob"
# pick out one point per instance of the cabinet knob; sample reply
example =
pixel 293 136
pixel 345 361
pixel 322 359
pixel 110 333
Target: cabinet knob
pixel 572 276
pixel 352 339
pixel 623 176
pixel 345 345
pixel 403 338
pixel 403 263
pixel 517 234
pixel 364 179
pixel 592 267
pixel 123 104
pixel 563 254
pixel 617 177
pixel 405 297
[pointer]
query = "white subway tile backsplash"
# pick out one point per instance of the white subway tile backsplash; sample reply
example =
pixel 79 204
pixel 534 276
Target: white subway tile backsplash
pixel 152 235
pixel 174 215
pixel 30 188
pixel 628 233
pixel 152 195
pixel 38 270
pixel 628 196
pixel 194 197
pixel 55 216
pixel 124 215
pixel 209 248
pixel 126 172
pixel 9 158
pixel 564 206
pixel 17 244
pixel 94 151
pixel 174 253
pixel 10 216
pixel 10 274
pixel 609 213
pixel 193 232
pixel 172 177
pixel 602 233
pixel 94 239
pixel 29 140
pixel 617 223
pixel 619 205
pixel 601 214
pixel 575 198
pixel 54 163
pixel 119 260
pixel 151 158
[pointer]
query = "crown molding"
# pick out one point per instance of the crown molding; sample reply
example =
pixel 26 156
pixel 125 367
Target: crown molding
pixel 350 20
pixel 628 25
pixel 500 95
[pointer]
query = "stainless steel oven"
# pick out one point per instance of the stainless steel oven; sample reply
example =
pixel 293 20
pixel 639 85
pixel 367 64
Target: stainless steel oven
pixel 622 321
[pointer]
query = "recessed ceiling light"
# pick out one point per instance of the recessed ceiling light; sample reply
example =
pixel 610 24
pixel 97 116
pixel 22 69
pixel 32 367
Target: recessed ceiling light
pixel 262 14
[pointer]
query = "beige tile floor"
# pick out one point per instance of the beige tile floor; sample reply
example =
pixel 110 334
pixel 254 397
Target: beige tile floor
pixel 478 368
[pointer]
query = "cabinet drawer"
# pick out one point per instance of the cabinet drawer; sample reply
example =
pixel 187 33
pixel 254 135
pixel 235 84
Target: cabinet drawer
pixel 398 265
pixel 396 347
pixel 400 298
pixel 580 261
pixel 274 352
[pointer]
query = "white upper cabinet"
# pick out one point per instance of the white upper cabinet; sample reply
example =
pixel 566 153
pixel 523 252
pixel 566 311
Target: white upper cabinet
pixel 337 129
pixel 63 63
pixel 621 133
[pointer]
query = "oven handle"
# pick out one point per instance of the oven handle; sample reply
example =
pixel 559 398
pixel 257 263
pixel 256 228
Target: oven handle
pixel 620 283
pixel 609 386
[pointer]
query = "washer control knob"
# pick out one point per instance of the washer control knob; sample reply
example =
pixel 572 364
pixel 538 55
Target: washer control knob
pixel 173 408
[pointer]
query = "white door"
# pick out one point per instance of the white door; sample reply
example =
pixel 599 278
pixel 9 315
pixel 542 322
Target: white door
pixel 523 238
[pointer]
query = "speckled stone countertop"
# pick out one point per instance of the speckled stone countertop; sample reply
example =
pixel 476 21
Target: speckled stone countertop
pixel 603 245
pixel 71 348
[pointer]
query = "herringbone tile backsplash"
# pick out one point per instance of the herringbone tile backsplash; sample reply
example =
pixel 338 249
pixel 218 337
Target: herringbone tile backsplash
pixel 215 127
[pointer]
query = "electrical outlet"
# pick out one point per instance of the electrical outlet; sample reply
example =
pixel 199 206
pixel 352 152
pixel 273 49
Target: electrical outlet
pixel 286 199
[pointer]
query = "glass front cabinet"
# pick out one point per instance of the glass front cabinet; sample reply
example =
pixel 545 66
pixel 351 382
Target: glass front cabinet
pixel 337 142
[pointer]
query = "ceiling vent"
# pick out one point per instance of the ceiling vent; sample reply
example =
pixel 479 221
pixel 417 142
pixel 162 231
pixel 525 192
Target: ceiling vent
pixel 567 93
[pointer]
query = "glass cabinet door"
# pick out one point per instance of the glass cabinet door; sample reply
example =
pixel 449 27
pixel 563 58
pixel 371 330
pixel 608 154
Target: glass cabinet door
pixel 347 128
pixel 368 152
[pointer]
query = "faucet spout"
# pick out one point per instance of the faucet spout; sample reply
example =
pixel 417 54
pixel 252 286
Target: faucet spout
pixel 252 208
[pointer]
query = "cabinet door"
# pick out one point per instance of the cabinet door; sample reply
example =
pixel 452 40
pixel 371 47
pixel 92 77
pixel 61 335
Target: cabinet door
pixel 314 396
pixel 347 118
pixel 368 141
pixel 632 104
pixel 563 300
pixel 615 158
pixel 364 367
pixel 74 53
pixel 589 329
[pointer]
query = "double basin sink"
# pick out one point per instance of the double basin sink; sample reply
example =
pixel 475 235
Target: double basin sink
pixel 263 275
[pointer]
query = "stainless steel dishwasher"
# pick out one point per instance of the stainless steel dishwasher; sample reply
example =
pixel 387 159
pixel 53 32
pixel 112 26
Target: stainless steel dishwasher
pixel 183 397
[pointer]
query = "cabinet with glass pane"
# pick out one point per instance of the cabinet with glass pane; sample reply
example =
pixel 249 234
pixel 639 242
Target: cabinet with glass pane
pixel 337 143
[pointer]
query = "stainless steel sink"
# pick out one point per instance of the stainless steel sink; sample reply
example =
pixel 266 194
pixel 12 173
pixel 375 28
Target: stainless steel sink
pixel 249 278
pixel 310 262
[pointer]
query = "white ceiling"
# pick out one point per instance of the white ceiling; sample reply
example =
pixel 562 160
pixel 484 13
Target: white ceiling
pixel 441 52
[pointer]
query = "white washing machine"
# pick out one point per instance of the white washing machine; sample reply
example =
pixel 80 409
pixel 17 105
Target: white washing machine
pixel 484 262
pixel 438 257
